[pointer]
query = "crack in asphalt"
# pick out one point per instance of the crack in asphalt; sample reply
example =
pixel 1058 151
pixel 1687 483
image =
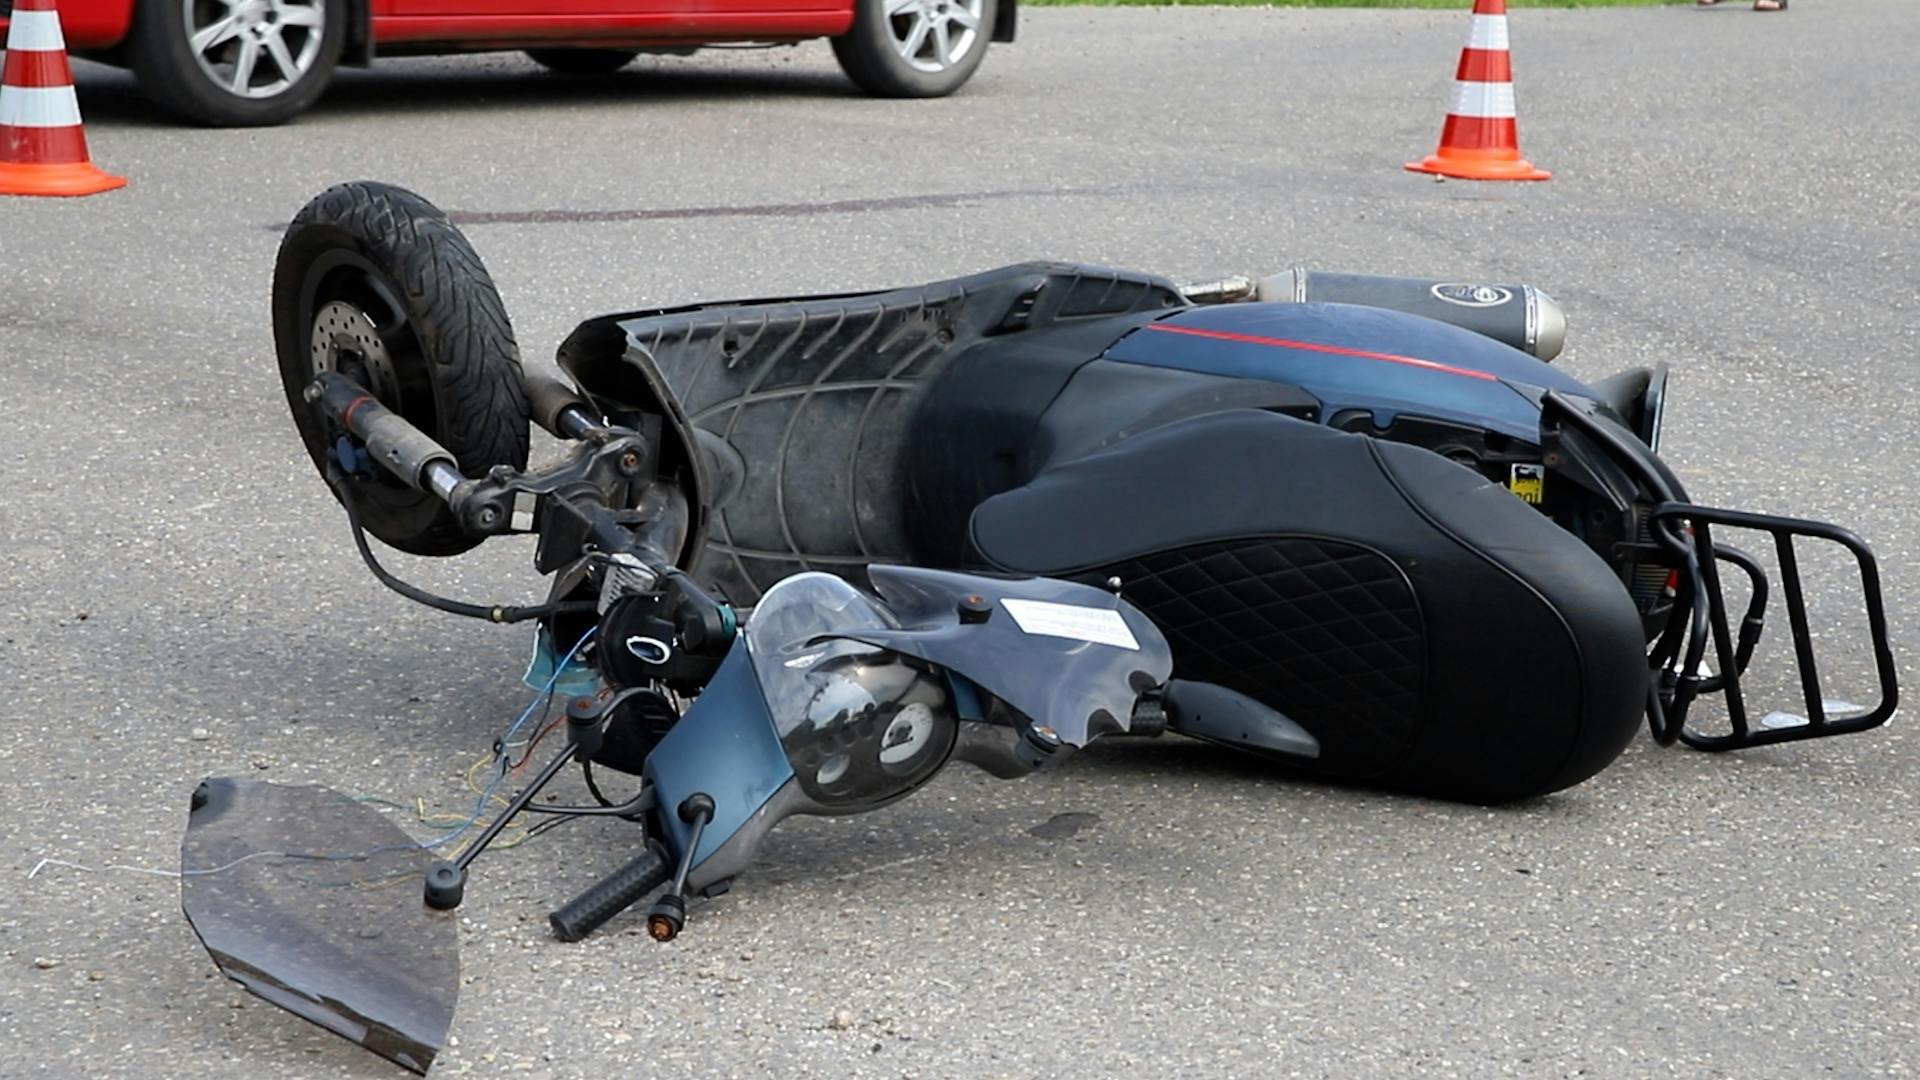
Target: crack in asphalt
pixel 933 201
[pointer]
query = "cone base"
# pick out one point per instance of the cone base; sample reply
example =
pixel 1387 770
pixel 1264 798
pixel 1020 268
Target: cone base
pixel 78 178
pixel 1480 165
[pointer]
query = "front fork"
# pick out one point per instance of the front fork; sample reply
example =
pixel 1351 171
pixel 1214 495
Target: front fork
pixel 602 503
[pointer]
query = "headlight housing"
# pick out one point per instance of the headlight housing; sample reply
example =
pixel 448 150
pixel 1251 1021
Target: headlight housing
pixel 860 726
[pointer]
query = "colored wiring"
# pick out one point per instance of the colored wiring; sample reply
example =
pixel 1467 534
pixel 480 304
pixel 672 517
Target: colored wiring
pixel 546 726
pixel 460 823
pixel 498 756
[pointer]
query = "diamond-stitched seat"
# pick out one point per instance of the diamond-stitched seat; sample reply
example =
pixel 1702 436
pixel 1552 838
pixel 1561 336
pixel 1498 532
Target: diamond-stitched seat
pixel 1428 629
pixel 1314 627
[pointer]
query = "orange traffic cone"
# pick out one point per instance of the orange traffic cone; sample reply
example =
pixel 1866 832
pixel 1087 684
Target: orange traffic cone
pixel 1481 140
pixel 43 150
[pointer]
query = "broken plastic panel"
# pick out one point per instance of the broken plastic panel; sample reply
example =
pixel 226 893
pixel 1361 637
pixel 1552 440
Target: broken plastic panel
pixel 312 901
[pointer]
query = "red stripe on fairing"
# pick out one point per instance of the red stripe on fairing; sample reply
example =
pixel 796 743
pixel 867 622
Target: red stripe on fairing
pixel 1314 346
pixel 1489 7
pixel 37 69
pixel 42 146
pixel 33 5
pixel 1480 133
pixel 1485 65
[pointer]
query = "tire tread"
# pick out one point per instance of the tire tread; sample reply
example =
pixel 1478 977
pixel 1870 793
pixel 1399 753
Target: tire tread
pixel 464 333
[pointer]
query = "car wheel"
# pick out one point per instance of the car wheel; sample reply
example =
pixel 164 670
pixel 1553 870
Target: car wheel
pixel 236 63
pixel 915 48
pixel 583 61
pixel 373 282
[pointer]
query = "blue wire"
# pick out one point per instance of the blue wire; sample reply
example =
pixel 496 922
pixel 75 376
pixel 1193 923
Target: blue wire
pixel 480 807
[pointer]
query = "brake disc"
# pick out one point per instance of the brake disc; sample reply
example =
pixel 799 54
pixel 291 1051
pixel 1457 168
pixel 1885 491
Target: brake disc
pixel 342 331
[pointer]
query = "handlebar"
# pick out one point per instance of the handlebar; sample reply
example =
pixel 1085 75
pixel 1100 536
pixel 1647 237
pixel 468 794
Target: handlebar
pixel 399 447
pixel 612 894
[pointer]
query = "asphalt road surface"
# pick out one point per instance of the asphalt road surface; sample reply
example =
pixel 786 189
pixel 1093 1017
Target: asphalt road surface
pixel 1736 195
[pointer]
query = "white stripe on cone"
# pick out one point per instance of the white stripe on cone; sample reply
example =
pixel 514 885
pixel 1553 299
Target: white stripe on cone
pixel 1487 32
pixel 39 106
pixel 36 31
pixel 1484 99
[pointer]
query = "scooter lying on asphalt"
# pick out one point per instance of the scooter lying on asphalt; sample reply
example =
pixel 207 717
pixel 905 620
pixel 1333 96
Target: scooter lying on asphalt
pixel 827 699
pixel 804 553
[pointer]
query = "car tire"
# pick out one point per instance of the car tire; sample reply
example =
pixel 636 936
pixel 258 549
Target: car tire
pixel 894 48
pixel 197 85
pixel 374 282
pixel 582 62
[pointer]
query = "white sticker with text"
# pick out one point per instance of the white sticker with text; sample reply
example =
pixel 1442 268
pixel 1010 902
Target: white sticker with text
pixel 1098 625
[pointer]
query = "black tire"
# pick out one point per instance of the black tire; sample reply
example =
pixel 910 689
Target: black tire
pixel 869 57
pixel 435 345
pixel 163 59
pixel 585 62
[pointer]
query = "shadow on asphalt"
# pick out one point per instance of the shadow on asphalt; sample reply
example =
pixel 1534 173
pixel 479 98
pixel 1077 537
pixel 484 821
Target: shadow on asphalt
pixel 110 95
pixel 1176 756
pixel 380 91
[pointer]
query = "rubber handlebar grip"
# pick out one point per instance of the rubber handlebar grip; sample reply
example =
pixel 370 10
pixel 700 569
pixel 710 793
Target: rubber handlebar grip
pixel 612 894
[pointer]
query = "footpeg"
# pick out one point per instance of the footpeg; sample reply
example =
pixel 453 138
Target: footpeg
pixel 1219 715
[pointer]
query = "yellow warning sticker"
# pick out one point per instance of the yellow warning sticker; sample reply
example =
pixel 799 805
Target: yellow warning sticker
pixel 1528 482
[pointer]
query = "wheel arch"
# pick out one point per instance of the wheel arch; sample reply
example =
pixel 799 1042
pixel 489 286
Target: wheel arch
pixel 1006 21
pixel 108 23
pixel 359 47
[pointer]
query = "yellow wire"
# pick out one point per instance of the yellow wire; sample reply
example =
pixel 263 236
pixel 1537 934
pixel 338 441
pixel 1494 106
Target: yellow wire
pixel 512 836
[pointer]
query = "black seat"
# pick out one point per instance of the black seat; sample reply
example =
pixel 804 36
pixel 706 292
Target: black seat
pixel 1431 631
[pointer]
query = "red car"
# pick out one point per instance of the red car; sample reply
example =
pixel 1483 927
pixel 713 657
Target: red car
pixel 247 62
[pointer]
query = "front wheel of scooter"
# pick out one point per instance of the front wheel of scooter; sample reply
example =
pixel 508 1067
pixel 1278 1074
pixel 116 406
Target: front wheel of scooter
pixel 375 283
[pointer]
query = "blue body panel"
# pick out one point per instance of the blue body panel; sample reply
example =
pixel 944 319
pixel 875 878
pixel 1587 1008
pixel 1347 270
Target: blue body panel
pixel 1387 362
pixel 725 746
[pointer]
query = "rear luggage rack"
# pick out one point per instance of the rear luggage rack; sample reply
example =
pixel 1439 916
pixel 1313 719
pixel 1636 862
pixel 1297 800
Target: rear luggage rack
pixel 1678 654
pixel 1683 536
